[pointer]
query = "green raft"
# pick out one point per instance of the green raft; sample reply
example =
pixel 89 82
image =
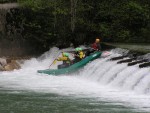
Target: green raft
pixel 73 67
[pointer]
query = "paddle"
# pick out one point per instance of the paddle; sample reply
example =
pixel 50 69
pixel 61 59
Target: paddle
pixel 54 61
pixel 70 51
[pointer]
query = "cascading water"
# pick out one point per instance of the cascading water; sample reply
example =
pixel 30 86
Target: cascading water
pixel 101 79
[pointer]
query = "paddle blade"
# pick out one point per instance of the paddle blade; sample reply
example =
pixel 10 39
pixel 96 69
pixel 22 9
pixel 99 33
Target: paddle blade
pixel 54 62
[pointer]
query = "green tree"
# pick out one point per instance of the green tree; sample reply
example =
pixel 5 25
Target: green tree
pixel 78 21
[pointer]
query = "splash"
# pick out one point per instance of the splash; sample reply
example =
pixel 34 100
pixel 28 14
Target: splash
pixel 101 78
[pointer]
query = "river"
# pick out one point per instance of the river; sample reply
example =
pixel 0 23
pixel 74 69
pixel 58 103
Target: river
pixel 102 86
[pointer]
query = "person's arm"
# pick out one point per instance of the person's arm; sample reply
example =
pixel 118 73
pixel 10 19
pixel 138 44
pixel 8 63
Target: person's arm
pixel 59 59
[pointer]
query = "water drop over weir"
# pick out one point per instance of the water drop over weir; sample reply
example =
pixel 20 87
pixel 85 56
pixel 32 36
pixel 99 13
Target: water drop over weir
pixel 101 78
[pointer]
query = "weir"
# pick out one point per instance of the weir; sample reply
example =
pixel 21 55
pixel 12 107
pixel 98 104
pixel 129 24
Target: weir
pixel 144 65
pixel 133 59
pixel 126 61
pixel 118 58
pixel 137 62
pixel 128 76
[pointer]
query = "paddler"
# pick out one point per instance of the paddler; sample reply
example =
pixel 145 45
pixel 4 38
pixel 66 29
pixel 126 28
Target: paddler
pixel 66 60
pixel 94 47
pixel 79 55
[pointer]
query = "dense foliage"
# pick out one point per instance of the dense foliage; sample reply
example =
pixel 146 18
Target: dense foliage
pixel 80 21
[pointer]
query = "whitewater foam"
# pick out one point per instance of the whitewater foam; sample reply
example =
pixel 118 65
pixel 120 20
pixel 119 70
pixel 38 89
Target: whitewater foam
pixel 101 79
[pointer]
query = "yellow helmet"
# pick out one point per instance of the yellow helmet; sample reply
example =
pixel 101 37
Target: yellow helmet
pixel 97 40
pixel 78 49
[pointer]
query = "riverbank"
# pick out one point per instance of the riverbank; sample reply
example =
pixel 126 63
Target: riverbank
pixel 139 48
pixel 9 64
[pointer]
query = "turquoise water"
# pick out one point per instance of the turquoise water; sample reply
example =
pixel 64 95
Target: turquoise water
pixel 30 102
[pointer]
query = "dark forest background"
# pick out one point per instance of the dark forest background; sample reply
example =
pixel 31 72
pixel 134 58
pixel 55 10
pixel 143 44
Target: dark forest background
pixel 61 22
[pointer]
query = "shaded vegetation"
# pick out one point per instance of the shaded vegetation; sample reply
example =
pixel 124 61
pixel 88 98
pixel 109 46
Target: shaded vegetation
pixel 80 21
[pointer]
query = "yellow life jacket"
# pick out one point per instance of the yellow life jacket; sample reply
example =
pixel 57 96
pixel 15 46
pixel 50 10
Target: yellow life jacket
pixel 81 55
pixel 64 59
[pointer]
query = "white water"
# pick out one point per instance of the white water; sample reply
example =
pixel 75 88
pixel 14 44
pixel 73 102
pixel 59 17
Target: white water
pixel 101 78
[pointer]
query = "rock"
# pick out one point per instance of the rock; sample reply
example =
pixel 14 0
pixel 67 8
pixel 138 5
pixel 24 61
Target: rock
pixel 8 64
pixel 2 68
pixel 12 65
pixel 3 62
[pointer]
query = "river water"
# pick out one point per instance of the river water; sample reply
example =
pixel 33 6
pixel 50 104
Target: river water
pixel 102 86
